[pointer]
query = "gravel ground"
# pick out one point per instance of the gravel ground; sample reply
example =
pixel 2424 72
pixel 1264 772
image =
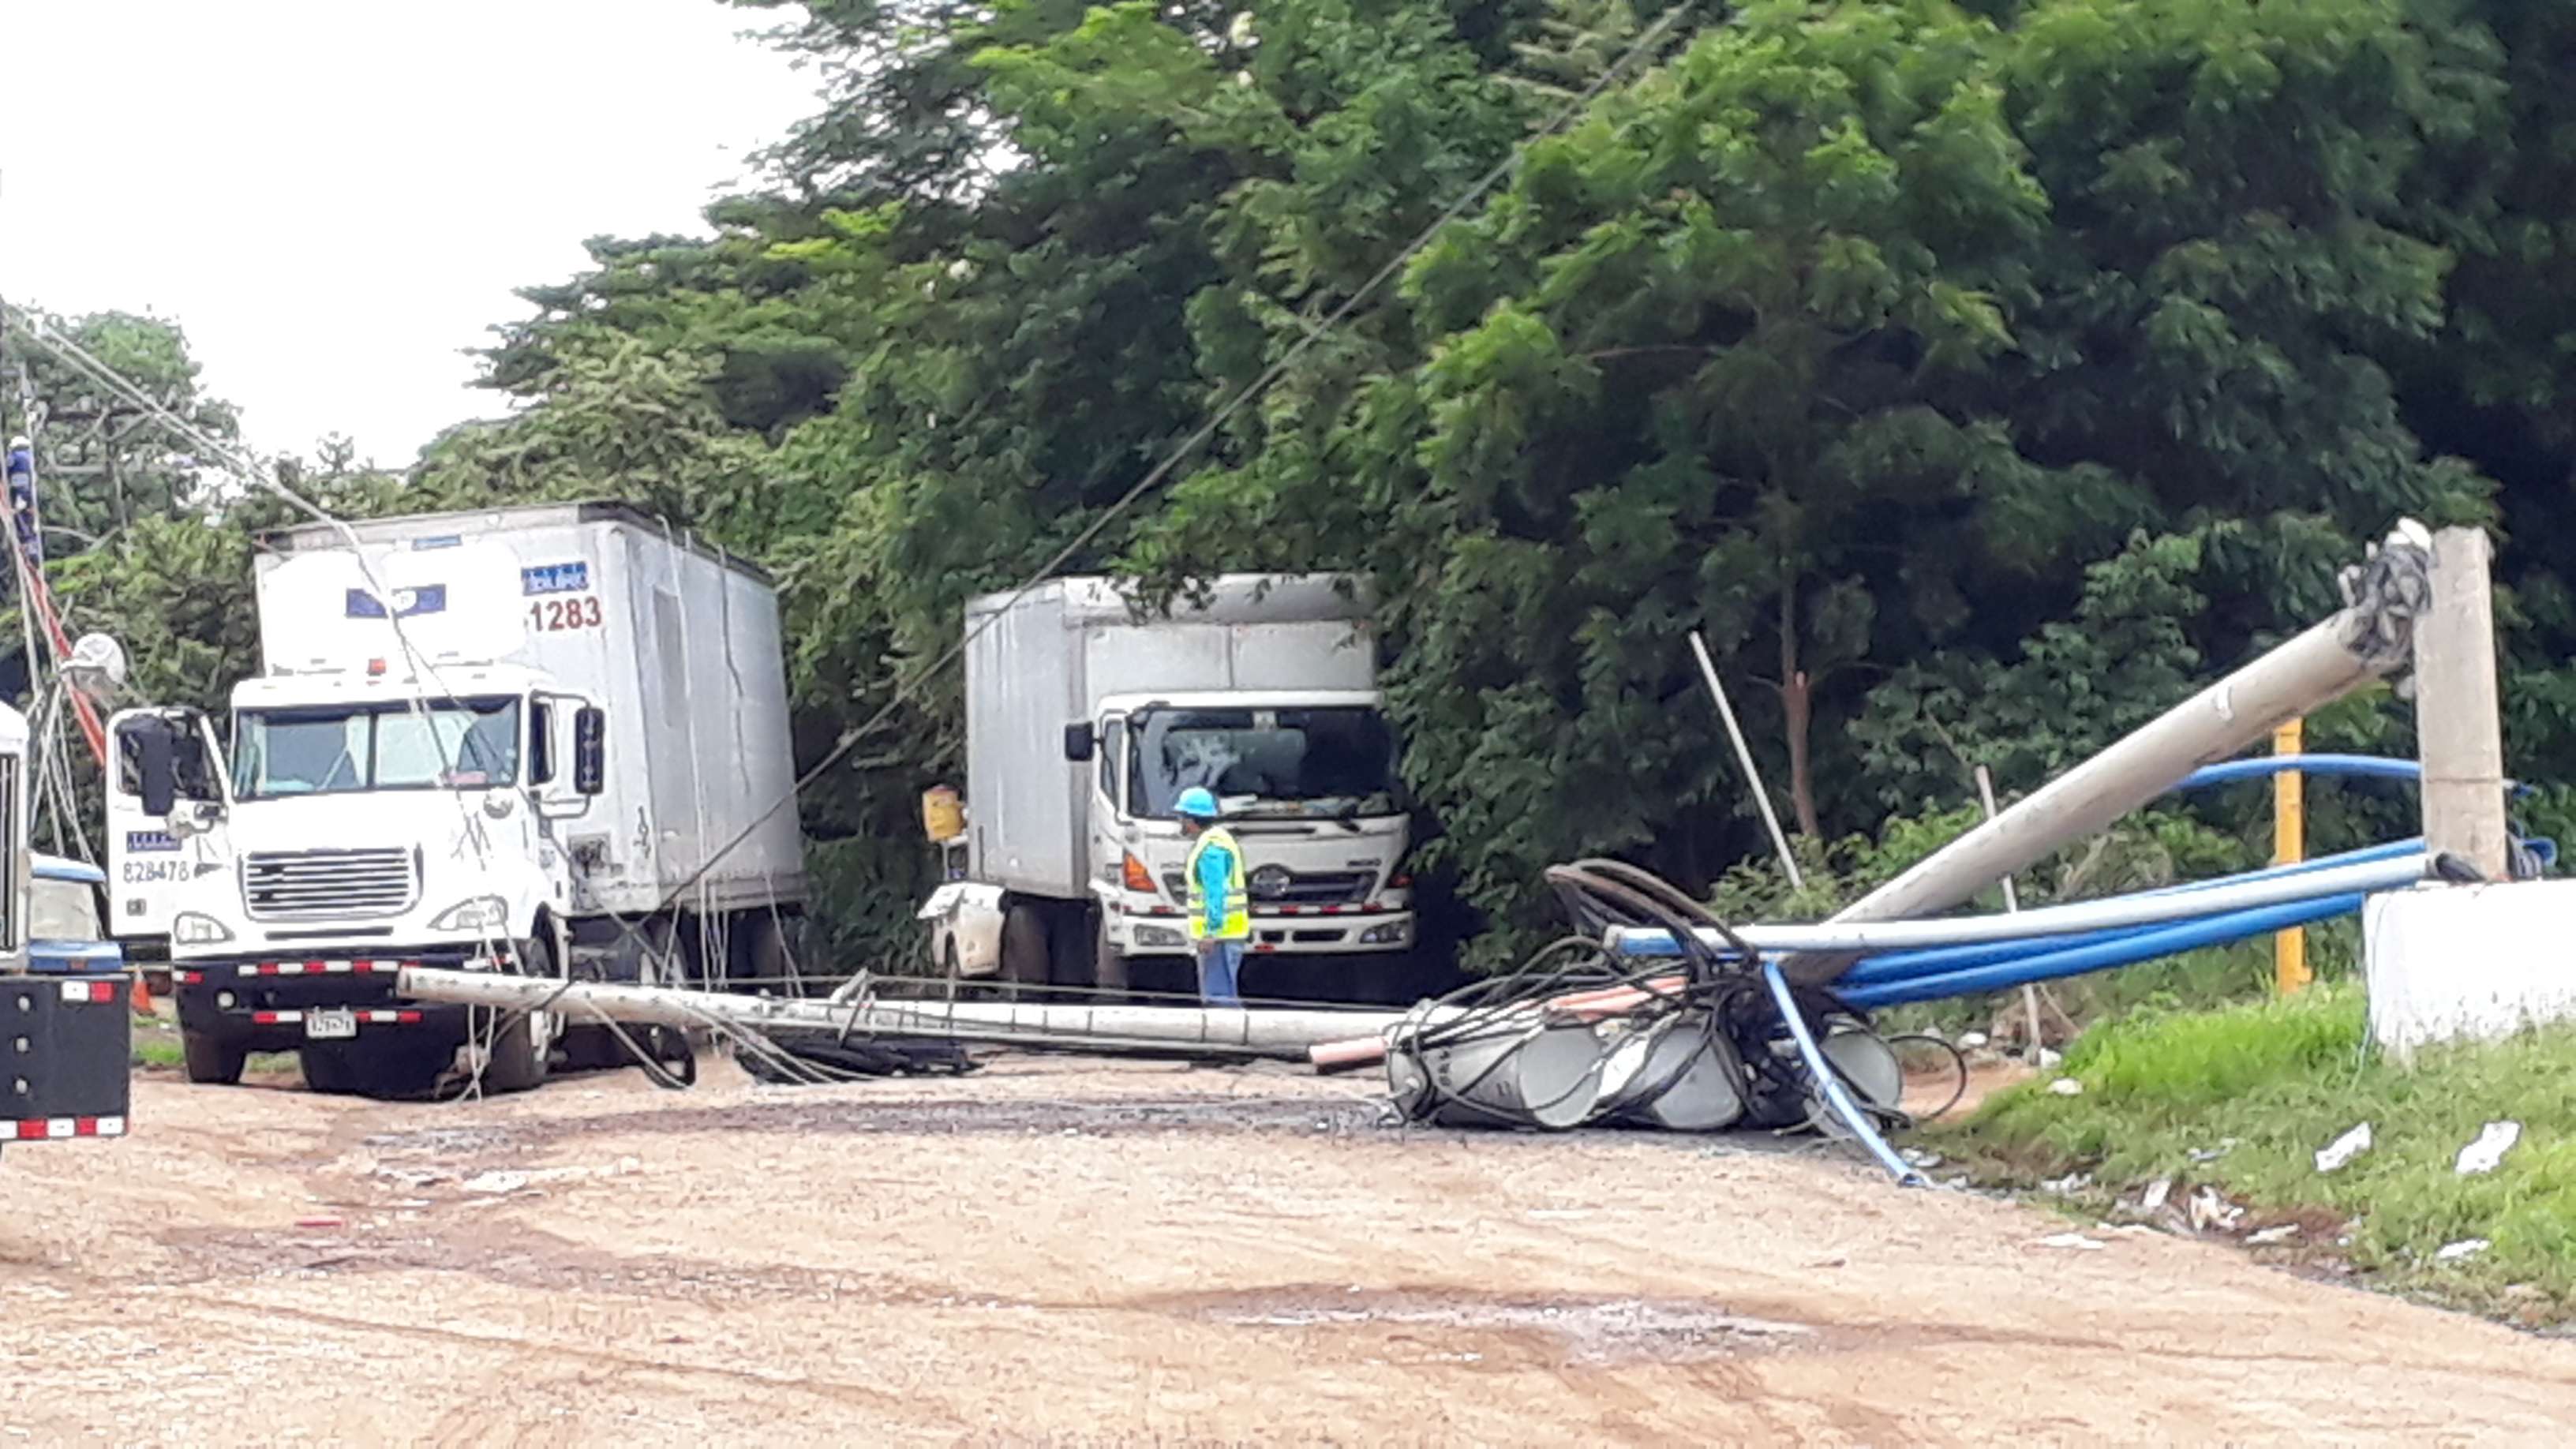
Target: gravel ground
pixel 1067 1252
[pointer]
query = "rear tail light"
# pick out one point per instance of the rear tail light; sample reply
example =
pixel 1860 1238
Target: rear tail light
pixel 1400 881
pixel 1137 878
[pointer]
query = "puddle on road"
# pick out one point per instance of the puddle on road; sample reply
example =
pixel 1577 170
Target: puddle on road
pixel 1588 1330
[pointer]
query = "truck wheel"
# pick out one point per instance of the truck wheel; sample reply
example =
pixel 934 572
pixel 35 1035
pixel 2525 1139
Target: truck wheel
pixel 210 1060
pixel 399 1068
pixel 523 1040
pixel 767 962
pixel 327 1069
pixel 1108 968
pixel 518 1061
pixel 1024 948
pixel 660 963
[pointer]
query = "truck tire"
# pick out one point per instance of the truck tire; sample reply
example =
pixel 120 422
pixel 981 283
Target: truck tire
pixel 524 1040
pixel 212 1061
pixel 398 1069
pixel 768 965
pixel 661 962
pixel 327 1070
pixel 518 1062
pixel 1108 968
pixel 1024 947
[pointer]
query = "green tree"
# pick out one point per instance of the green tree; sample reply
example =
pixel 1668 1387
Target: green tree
pixel 106 461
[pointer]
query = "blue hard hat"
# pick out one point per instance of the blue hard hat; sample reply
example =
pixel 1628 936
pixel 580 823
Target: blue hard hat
pixel 1197 803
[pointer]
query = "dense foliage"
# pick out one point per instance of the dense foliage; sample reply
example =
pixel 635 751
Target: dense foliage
pixel 1976 377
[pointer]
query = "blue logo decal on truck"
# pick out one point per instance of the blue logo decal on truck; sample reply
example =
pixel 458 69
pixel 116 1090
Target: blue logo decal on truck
pixel 150 840
pixel 562 578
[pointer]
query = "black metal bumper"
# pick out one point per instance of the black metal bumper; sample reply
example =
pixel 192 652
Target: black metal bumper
pixel 70 1041
pixel 266 1006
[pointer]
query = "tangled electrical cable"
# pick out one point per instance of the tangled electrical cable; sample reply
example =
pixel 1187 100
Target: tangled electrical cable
pixel 1571 1037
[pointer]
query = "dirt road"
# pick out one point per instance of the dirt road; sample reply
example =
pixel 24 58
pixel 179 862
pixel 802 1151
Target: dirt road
pixel 1062 1253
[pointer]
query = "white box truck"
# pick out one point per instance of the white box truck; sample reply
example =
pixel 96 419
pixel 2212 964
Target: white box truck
pixel 551 740
pixel 1085 720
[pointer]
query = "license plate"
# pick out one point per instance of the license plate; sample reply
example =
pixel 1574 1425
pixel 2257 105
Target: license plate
pixel 331 1024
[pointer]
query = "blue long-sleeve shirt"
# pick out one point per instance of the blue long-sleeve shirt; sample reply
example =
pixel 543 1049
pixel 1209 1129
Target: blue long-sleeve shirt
pixel 1216 872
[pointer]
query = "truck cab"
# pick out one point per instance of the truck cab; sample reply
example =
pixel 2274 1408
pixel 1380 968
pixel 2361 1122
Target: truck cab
pixel 360 821
pixel 1308 784
pixel 1090 708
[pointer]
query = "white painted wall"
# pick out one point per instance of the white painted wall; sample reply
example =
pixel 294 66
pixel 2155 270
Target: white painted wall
pixel 2468 963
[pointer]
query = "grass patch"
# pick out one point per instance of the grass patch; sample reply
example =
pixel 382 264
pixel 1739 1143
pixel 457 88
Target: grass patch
pixel 157 1051
pixel 2273 1082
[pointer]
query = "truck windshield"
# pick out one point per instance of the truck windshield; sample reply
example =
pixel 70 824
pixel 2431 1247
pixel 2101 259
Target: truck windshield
pixel 330 749
pixel 1263 762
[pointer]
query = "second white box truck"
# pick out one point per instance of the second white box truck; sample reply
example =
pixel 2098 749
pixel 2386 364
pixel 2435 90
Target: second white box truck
pixel 1086 717
pixel 551 740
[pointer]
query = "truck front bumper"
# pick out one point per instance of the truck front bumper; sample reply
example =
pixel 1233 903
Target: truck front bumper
pixel 272 1005
pixel 1309 931
pixel 1322 932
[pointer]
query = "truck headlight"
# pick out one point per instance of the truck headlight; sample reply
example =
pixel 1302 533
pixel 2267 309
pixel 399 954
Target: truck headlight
pixel 483 913
pixel 1392 933
pixel 1163 936
pixel 190 928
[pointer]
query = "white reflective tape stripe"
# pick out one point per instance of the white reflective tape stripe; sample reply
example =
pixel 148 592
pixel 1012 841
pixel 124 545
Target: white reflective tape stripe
pixel 75 991
pixel 60 1127
pixel 111 1126
pixel 343 966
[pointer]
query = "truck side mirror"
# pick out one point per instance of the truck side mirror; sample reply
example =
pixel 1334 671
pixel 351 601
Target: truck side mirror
pixel 590 749
pixel 1079 742
pixel 157 770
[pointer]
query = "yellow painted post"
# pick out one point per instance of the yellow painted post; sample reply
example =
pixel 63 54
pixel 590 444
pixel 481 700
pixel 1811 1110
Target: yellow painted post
pixel 2289 847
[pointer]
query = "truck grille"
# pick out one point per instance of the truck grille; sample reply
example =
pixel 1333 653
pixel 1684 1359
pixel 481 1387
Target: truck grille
pixel 1323 888
pixel 310 884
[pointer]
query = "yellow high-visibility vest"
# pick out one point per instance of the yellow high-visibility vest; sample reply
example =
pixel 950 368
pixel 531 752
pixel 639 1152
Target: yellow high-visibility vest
pixel 1237 905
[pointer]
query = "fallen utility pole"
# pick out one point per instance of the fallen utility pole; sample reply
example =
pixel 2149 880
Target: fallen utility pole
pixel 1211 1031
pixel 2371 637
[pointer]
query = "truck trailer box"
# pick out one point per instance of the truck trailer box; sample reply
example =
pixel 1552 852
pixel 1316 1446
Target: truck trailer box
pixel 677 640
pixel 1042 660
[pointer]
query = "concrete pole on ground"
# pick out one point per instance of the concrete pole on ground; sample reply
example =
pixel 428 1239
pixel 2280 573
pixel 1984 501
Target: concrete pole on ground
pixel 2458 722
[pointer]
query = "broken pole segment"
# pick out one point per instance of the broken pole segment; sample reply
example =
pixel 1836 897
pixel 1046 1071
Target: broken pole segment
pixel 2459 724
pixel 2371 637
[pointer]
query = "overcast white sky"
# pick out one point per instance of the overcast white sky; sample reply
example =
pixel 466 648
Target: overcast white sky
pixel 336 197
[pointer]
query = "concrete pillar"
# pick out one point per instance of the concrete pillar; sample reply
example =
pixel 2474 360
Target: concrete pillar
pixel 2459 725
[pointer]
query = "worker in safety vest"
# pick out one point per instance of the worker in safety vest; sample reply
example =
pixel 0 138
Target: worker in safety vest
pixel 1220 902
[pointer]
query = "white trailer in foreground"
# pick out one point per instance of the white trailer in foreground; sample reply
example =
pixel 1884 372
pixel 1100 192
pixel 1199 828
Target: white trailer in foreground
pixel 547 740
pixel 1086 717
